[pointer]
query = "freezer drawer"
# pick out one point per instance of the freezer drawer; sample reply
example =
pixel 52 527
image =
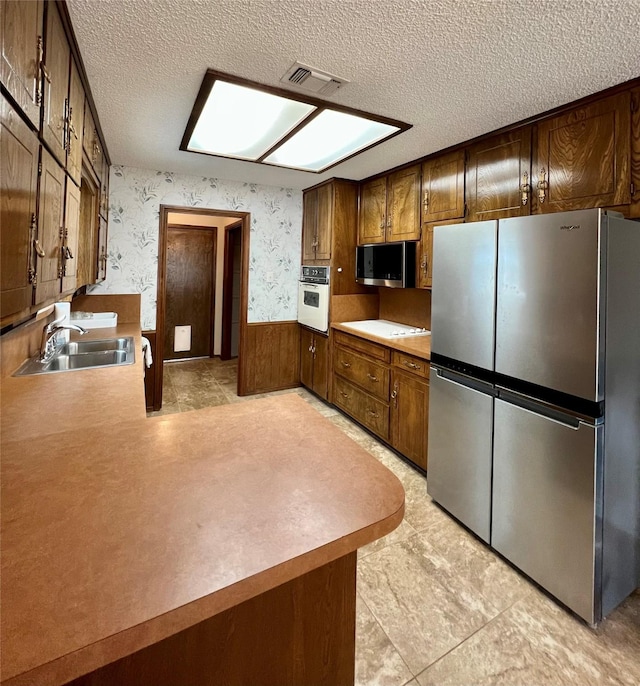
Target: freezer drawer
pixel 460 436
pixel 545 490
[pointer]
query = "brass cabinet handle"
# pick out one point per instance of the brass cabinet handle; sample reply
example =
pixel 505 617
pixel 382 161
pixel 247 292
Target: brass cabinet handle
pixel 394 394
pixel 542 186
pixel 39 251
pixel 411 365
pixel 373 414
pixel 425 201
pixel 45 72
pixel 389 220
pixel 343 394
pixel 38 76
pixel 311 348
pixel 424 265
pixel 372 377
pixel 525 188
pixel 346 364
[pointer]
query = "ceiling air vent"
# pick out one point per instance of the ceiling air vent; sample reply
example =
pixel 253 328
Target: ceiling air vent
pixel 312 80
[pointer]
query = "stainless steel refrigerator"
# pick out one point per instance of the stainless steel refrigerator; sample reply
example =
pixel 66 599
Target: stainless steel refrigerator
pixel 534 409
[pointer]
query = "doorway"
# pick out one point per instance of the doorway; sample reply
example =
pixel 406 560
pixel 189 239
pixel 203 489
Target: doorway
pixel 231 291
pixel 190 286
pixel 169 261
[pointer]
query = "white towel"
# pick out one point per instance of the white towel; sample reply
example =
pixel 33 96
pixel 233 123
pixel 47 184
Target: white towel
pixel 146 351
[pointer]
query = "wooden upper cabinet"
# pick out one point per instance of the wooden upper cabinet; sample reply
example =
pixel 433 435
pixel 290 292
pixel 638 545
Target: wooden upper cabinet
pixel 498 171
pixel 18 194
pixel 50 225
pixel 583 157
pixel 372 217
pixel 70 239
pixel 403 205
pixel 634 210
pixel 317 224
pixel 309 225
pixel 88 132
pixel 103 255
pixel 104 189
pixel 443 187
pixel 424 256
pixel 75 125
pixel 21 24
pixel 57 56
pixel 324 222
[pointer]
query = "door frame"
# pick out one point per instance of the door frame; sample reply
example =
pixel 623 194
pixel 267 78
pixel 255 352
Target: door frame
pixel 245 218
pixel 214 230
pixel 230 237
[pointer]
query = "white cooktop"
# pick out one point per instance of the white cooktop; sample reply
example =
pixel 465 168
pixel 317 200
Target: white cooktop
pixel 386 329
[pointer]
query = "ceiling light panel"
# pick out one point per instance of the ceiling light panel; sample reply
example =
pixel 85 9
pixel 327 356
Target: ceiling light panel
pixel 242 122
pixel 328 138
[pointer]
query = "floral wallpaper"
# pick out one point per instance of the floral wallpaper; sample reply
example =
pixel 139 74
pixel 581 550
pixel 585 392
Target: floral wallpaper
pixel 135 196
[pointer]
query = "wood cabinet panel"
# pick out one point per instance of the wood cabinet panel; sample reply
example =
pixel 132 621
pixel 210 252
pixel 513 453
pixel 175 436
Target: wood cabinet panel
pixel 88 239
pixel 309 225
pixel 76 119
pixel 584 157
pixel 403 205
pixel 21 25
pixel 18 195
pixel 343 240
pixel 374 350
pixel 88 132
pixel 57 56
pixel 410 416
pixel 272 354
pixel 443 187
pixel 71 237
pixel 496 168
pixel 373 212
pixel 314 361
pixel 324 222
pixel 317 223
pixel 372 413
pixel 306 357
pixel 369 375
pixel 424 256
pixel 415 365
pixel 634 210
pixel 104 189
pixel 103 255
pixel 50 224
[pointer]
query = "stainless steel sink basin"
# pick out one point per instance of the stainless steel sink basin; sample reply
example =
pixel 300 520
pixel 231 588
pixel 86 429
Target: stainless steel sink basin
pixel 80 347
pixel 76 355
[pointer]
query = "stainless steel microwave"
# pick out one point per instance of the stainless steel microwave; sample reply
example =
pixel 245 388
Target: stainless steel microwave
pixel 387 264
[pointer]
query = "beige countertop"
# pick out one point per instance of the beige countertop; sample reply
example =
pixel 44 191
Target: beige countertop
pixel 120 530
pixel 420 346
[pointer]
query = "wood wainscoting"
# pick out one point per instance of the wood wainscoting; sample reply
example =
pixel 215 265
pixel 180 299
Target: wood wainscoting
pixel 271 351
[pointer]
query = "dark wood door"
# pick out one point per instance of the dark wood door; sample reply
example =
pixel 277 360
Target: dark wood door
pixel 18 194
pixel 324 222
pixel 21 24
pixel 583 157
pixel 309 225
pixel 70 237
pixel 321 365
pixel 373 212
pixel 403 205
pixel 495 176
pixel 409 416
pixel 231 281
pixel 443 187
pixel 306 357
pixel 76 123
pixel 50 225
pixel 56 84
pixel 189 291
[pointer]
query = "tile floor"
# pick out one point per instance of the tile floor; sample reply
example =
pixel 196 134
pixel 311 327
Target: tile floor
pixel 435 606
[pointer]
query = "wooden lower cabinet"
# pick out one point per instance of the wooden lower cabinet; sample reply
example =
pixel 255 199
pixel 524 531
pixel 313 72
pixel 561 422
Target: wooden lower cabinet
pixel 314 362
pixel 386 391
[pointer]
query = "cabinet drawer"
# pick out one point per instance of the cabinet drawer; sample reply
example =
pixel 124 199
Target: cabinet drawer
pixel 379 352
pixel 370 375
pixel 372 413
pixel 412 364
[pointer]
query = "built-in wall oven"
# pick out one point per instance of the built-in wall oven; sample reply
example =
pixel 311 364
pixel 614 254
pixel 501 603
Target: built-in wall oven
pixel 313 297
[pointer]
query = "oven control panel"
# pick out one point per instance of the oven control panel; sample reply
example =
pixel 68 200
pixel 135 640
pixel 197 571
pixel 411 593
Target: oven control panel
pixel 309 274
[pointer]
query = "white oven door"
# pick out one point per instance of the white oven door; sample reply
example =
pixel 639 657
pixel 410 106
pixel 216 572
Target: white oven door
pixel 313 305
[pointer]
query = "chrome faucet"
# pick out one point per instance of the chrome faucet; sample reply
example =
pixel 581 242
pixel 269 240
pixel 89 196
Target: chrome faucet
pixel 48 343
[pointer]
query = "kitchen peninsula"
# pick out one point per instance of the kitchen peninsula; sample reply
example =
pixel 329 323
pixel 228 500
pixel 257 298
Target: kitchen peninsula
pixel 207 547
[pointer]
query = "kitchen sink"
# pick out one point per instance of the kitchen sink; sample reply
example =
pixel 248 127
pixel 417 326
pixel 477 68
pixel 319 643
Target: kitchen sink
pixel 83 355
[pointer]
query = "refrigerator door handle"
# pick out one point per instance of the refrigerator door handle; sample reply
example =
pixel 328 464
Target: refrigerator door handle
pixel 529 405
pixel 468 382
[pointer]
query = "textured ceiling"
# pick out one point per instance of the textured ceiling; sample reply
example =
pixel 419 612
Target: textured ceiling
pixel 453 68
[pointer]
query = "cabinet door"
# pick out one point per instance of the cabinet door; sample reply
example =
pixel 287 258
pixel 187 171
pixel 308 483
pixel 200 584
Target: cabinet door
pixel 325 222
pixel 583 157
pixel 634 210
pixel 373 212
pixel 309 225
pixel 87 243
pixel 403 205
pixel 56 84
pixel 104 190
pixel 496 170
pixel 306 357
pixel 18 193
pixel 443 187
pixel 88 132
pixel 21 45
pixel 76 123
pixel 102 250
pixel 320 365
pixel 50 218
pixel 71 237
pixel 424 256
pixel 409 416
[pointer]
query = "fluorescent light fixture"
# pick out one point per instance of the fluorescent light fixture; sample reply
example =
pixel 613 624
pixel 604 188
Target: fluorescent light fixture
pixel 236 118
pixel 327 139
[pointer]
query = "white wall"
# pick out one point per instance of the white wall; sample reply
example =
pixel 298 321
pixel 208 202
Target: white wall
pixel 135 196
